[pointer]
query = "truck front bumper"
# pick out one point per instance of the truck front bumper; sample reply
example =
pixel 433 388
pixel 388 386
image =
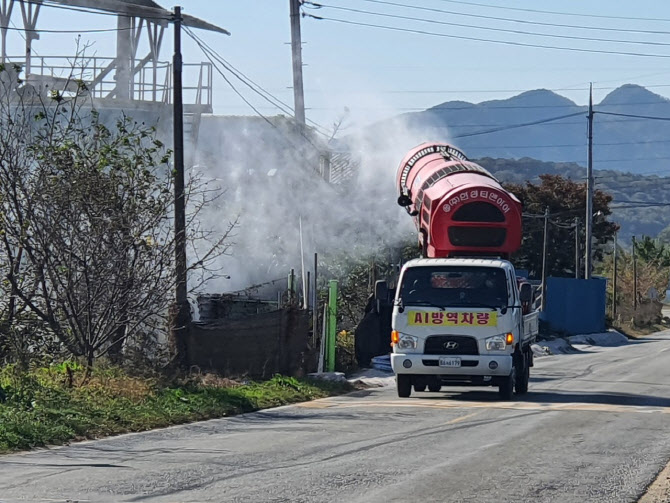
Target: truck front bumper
pixel 471 365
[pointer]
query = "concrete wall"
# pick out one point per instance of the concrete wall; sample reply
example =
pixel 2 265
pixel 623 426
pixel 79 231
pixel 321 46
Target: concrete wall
pixel 576 306
pixel 257 345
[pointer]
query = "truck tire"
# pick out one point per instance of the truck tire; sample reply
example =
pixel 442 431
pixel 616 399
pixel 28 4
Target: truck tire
pixel 522 375
pixel 434 387
pixel 506 387
pixel 404 385
pixel 420 387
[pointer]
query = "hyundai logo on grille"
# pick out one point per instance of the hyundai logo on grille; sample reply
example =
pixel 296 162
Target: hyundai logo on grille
pixel 451 345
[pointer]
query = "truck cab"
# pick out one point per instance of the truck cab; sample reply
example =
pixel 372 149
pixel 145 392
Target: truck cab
pixel 461 322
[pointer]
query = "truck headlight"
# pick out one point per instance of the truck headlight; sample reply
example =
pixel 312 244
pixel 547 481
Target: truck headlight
pixel 407 342
pixel 496 343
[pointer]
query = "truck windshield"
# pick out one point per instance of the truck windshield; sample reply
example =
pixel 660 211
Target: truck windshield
pixel 452 286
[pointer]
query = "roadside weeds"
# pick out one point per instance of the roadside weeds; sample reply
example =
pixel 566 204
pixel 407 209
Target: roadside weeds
pixel 41 409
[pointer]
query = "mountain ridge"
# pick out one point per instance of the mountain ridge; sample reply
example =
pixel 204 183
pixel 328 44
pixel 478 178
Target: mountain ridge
pixel 621 143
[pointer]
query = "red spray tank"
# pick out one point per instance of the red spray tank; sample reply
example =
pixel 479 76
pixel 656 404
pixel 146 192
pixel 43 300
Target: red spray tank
pixel 459 208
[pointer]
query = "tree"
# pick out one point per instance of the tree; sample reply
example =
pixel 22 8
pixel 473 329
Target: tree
pixel 566 200
pixel 87 241
pixel 653 251
pixel 653 271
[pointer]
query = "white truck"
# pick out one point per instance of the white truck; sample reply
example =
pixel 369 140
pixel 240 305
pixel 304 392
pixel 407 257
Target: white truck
pixel 462 322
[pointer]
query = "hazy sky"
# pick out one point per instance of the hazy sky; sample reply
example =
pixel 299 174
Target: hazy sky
pixel 377 72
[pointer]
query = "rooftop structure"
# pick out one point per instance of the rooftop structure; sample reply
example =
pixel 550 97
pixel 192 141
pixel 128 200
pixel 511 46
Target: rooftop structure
pixel 126 76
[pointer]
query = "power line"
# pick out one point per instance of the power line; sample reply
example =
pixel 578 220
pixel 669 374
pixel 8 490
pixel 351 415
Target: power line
pixel 515 126
pixel 636 204
pixel 477 39
pixel 480 106
pixel 617 143
pixel 520 21
pixel 266 95
pixel 567 123
pixel 649 117
pixel 513 107
pixel 240 76
pixel 634 159
pixel 488 28
pixel 462 91
pixel 243 98
pixel 537 11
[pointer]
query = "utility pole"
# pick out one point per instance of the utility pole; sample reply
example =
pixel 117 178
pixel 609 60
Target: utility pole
pixel 576 247
pixel 634 277
pixel 182 314
pixel 589 190
pixel 614 276
pixel 544 259
pixel 315 310
pixel 296 51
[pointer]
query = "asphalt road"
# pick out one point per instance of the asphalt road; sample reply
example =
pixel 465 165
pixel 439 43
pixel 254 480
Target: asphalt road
pixel 594 427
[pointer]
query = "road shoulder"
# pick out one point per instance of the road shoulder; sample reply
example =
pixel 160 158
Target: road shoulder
pixel 659 490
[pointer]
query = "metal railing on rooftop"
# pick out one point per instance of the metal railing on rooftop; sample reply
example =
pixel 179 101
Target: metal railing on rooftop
pixel 149 83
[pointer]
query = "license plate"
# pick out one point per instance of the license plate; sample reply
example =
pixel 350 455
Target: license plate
pixel 450 362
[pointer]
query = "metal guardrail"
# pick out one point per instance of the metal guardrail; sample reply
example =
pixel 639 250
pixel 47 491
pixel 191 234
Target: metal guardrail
pixel 152 83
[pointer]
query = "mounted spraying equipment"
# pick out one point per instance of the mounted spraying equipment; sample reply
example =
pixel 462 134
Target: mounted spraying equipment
pixel 460 316
pixel 458 207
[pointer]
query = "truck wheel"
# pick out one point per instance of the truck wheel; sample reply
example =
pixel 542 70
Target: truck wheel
pixel 419 387
pixel 404 385
pixel 523 376
pixel 434 387
pixel 506 388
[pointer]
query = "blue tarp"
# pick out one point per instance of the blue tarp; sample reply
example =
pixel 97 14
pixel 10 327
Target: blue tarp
pixel 382 363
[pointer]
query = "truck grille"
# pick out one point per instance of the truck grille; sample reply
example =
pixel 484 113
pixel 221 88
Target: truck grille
pixel 451 345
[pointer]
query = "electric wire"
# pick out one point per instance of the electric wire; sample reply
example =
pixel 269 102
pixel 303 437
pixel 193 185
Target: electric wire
pixel 486 28
pixel 646 117
pixel 484 106
pixel 520 21
pixel 566 123
pixel 488 40
pixel 277 103
pixel 496 91
pixel 537 11
pixel 603 144
pixel 251 105
pixel 266 95
pixel 515 126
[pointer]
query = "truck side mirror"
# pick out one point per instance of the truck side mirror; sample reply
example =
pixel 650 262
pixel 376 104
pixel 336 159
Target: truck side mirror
pixel 526 293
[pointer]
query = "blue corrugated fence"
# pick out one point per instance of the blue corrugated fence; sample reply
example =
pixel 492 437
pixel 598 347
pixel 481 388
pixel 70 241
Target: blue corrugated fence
pixel 576 306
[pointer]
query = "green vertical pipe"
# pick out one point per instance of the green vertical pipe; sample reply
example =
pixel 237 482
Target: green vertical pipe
pixel 332 326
